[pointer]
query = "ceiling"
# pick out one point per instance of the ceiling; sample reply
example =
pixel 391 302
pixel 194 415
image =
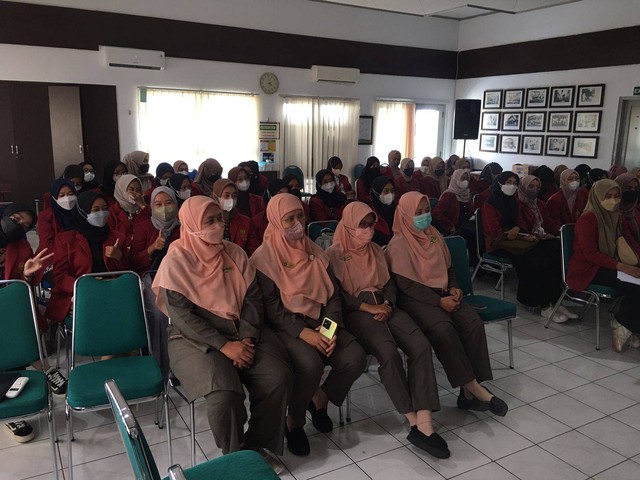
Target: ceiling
pixel 452 9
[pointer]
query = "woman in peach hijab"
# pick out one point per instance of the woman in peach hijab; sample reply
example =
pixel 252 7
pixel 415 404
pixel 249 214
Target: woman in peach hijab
pixel 217 342
pixel 299 291
pixel 421 265
pixel 369 296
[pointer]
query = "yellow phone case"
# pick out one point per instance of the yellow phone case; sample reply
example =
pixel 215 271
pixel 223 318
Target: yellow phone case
pixel 328 327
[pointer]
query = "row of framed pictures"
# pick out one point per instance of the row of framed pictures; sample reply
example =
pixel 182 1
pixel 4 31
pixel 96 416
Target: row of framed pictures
pixel 552 145
pixel 588 96
pixel 581 121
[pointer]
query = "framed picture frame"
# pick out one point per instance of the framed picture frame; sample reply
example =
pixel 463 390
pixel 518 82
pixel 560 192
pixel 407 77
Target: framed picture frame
pixel 535 121
pixel 584 147
pixel 365 132
pixel 490 120
pixel 562 97
pixel 509 143
pixel 514 98
pixel 537 97
pixel 489 142
pixel 587 121
pixel 492 99
pixel 590 95
pixel 559 122
pixel 532 144
pixel 512 121
pixel 557 145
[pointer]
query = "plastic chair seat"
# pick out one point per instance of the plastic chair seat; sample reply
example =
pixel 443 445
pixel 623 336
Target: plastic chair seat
pixel 602 290
pixel 138 377
pixel 32 399
pixel 240 465
pixel 496 258
pixel 491 309
pixel 68 322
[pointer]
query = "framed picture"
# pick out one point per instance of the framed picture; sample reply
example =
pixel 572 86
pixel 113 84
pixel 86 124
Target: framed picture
pixel 537 97
pixel 587 122
pixel 509 144
pixel 512 121
pixel 559 122
pixel 557 146
pixel 535 121
pixel 492 99
pixel 490 120
pixel 365 135
pixel 584 147
pixel 532 144
pixel 562 97
pixel 489 142
pixel 514 98
pixel 590 95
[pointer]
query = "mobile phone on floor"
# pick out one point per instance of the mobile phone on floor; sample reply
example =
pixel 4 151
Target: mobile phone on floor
pixel 328 327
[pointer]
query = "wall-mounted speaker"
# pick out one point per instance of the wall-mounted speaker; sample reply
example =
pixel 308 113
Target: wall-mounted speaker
pixel 467 119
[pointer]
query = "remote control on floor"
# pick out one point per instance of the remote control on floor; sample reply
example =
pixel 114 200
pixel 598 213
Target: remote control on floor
pixel 17 387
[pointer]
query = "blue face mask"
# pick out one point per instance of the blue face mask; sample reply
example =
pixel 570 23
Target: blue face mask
pixel 422 222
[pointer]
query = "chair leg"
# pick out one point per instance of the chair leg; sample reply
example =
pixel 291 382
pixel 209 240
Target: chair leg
pixel 158 412
pixel 510 337
pixel 192 420
pixel 341 415
pixel 69 416
pixel 556 306
pixel 58 335
pixel 165 407
pixel 502 284
pixel 349 406
pixel 53 436
pixel 475 271
pixel 597 322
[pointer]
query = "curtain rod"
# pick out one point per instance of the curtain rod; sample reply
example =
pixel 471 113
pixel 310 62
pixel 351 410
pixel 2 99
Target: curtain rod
pixel 319 98
pixel 195 90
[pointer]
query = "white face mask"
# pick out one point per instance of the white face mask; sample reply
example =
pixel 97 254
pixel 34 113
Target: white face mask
pixel 508 189
pixel 98 219
pixel 184 172
pixel 164 181
pixel 387 198
pixel 185 194
pixel 78 187
pixel 67 202
pixel 328 187
pixel 228 204
pixel 464 184
pixel 243 186
pixel 89 176
pixel 574 185
pixel 424 170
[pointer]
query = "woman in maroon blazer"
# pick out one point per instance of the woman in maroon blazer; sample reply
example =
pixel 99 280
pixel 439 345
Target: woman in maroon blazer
pixel 237 227
pixel 248 204
pixel 370 172
pixel 406 182
pixel 343 185
pixel 328 202
pixel 566 205
pixel 130 208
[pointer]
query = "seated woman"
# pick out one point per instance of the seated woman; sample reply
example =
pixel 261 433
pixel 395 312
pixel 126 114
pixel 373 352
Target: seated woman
pixel 406 182
pixel 299 291
pixel 616 170
pixel 217 342
pixel 180 166
pixel 180 185
pixel 436 181
pixel 596 258
pixel 583 170
pixel 384 205
pixel 533 215
pixel 369 296
pixel 462 164
pixel 328 202
pixel 566 205
pixel 420 263
pixel 593 176
pixel 295 188
pixel 248 204
pixel 137 163
pixel 163 174
pixel 369 173
pixel 237 227
pixel 630 192
pixel 258 181
pixel 548 182
pixel 130 208
pixel 75 175
pixel 260 221
pixel 483 183
pixel 334 165
pixel 557 172
pixel 89 175
pixel 112 173
pixel 209 172
pixel 536 262
pixel 424 168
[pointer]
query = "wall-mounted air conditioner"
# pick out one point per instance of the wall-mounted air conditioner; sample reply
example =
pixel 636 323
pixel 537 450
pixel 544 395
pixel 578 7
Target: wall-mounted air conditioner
pixel 132 58
pixel 320 73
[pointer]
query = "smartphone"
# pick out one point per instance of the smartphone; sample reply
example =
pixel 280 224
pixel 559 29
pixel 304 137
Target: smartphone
pixel 328 327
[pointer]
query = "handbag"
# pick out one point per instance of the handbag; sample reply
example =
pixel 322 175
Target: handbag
pixel 517 246
pixel 626 254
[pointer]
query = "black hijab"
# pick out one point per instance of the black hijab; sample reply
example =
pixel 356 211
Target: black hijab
pixel 287 179
pixel 93 183
pixel 547 179
pixel 387 212
pixel 175 183
pixel 505 204
pixel 489 171
pixel 161 169
pixel 334 199
pixel 369 173
pixel 63 216
pixel 593 176
pixel 582 169
pixel 11 231
pixel 73 171
pixel 255 186
pixel 96 236
pixel 108 185
pixel 272 190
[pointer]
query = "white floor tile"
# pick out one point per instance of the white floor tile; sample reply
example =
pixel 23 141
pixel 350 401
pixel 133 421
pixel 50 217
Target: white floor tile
pixel 547 351
pixel 600 398
pixel 325 457
pixel 619 437
pixel 350 472
pixel 629 416
pixel 537 464
pixel 491 471
pixel 533 424
pixel 586 368
pixel 625 471
pixel 538 331
pixel 372 400
pixel 450 416
pixel 523 387
pixel 492 438
pixel 363 440
pixel 397 425
pixel 622 384
pixel 611 359
pixel 27 460
pixel 522 361
pixel 557 378
pixel 573 344
pixel 399 463
pixel 568 410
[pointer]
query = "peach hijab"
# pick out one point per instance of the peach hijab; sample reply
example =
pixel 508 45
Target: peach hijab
pixel 192 263
pixel 358 267
pixel 421 256
pixel 299 269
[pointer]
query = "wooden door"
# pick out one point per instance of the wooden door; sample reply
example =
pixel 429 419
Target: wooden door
pixel 66 126
pixel 8 172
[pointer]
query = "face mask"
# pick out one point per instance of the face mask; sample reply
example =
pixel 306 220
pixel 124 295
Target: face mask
pixel 363 236
pixel 387 198
pixel 295 233
pixel 211 235
pixel 424 170
pixel 439 172
pixel 610 204
pixel 89 176
pixel 533 194
pixel 183 172
pixel 78 187
pixel 408 171
pixel 213 178
pixel 464 184
pixel 98 219
pixel 67 202
pixel 630 196
pixel 336 171
pixel 164 181
pixel 228 204
pixel 243 186
pixel 297 192
pixel 131 198
pixel 144 168
pixel 116 178
pixel 11 229
pixel 574 185
pixel 395 163
pixel 422 222
pixel 185 194
pixel 508 189
pixel 166 213
pixel 374 172
pixel 328 187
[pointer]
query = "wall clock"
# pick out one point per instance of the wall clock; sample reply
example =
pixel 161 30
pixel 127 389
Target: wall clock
pixel 269 83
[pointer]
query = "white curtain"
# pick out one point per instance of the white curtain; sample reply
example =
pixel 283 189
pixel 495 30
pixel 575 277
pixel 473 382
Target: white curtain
pixel 316 129
pixel 394 125
pixel 194 125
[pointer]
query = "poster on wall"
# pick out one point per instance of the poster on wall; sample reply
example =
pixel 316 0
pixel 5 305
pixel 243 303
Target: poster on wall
pixel 492 99
pixel 590 95
pixel 562 97
pixel 532 144
pixel 585 147
pixel 488 142
pixel 557 146
pixel 510 144
pixel 537 97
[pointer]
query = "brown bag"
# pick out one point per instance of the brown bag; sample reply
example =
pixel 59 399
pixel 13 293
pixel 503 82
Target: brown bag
pixel 517 246
pixel 626 254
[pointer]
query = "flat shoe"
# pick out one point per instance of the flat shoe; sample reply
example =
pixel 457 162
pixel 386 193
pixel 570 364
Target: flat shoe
pixel 433 444
pixel 297 442
pixel 320 418
pixel 472 404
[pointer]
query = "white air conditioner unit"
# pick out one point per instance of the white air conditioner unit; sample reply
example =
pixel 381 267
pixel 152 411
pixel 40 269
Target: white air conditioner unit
pixel 132 58
pixel 320 73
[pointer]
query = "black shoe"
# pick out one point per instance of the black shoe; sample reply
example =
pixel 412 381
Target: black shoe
pixel 474 404
pixel 433 444
pixel 57 382
pixel 297 442
pixel 22 432
pixel 319 418
pixel 498 406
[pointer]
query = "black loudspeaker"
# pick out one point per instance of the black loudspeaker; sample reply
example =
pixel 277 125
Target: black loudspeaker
pixel 467 120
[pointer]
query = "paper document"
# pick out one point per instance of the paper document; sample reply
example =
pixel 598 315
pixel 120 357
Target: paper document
pixel 625 277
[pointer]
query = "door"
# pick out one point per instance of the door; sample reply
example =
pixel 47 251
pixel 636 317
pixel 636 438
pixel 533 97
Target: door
pixel 8 173
pixel 429 132
pixel 66 127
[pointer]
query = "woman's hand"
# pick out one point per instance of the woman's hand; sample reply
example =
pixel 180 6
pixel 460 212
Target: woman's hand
pixel 513 233
pixel 239 352
pixel 449 304
pixel 629 269
pixel 114 251
pixel 380 313
pixel 317 340
pixel 138 199
pixel 34 264
pixel 157 245
pixel 456 293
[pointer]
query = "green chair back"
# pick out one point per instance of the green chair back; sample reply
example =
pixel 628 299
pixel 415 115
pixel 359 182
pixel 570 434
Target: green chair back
pixel 566 240
pixel 480 245
pixel 460 262
pixel 108 315
pixel 314 229
pixel 292 169
pixel 19 338
pixel 433 202
pixel 140 456
pixel 357 170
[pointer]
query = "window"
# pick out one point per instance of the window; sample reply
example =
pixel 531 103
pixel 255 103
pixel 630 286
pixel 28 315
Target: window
pixel 195 125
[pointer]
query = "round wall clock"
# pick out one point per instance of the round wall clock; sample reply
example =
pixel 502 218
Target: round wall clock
pixel 269 83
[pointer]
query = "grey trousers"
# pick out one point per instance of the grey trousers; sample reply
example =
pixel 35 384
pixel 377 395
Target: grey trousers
pixel 347 364
pixel 382 339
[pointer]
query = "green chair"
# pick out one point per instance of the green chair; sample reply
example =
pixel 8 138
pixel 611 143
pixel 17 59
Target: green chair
pixel 490 309
pixel 20 346
pixel 594 292
pixel 109 320
pixel 315 229
pixel 357 170
pixel 489 261
pixel 242 465
pixel 433 202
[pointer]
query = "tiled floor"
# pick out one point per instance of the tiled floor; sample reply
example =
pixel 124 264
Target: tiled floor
pixel 574 414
